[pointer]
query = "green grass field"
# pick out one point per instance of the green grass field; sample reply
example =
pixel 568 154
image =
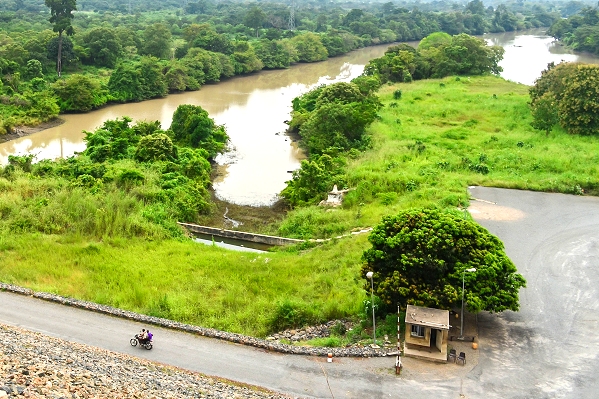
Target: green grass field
pixel 428 146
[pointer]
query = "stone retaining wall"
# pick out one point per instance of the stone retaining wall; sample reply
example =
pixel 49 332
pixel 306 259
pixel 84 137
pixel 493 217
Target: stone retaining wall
pixel 206 332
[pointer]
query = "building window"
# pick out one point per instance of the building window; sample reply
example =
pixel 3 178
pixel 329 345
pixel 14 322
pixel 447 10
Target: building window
pixel 417 331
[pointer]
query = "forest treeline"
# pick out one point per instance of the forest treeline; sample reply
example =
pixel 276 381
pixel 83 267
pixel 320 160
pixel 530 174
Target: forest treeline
pixel 137 50
pixel 579 31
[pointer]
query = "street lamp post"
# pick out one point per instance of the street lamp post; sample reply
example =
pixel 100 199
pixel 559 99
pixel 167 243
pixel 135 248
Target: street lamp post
pixel 370 275
pixel 472 269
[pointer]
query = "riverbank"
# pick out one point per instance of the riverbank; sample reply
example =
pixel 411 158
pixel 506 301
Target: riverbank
pixel 22 131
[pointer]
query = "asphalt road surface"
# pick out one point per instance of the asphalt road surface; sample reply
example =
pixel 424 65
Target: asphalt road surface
pixel 550 349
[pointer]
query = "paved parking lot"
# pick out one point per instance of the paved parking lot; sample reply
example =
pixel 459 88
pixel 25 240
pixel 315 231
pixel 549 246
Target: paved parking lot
pixel 550 348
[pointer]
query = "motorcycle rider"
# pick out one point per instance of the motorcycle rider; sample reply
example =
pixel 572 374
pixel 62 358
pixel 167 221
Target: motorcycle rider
pixel 142 337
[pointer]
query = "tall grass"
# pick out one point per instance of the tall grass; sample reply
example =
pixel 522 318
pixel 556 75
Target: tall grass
pixel 185 281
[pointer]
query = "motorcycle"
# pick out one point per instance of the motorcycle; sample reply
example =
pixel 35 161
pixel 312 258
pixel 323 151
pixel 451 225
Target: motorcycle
pixel 147 343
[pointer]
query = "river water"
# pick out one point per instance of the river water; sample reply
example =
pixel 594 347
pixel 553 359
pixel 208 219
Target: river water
pixel 254 109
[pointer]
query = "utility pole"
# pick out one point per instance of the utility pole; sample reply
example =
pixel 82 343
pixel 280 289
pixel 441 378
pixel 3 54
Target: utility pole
pixel 292 16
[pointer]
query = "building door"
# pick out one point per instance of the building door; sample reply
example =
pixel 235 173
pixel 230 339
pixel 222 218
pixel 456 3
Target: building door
pixel 433 338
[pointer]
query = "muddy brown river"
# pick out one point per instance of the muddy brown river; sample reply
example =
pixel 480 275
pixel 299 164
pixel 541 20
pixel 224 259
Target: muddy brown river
pixel 253 108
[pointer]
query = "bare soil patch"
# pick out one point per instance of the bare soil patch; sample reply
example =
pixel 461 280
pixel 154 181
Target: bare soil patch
pixel 22 131
pixel 486 210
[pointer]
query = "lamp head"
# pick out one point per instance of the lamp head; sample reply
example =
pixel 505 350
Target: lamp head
pixel 369 274
pixel 472 269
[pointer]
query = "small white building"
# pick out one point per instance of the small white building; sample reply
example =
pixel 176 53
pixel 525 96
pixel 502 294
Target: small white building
pixel 427 333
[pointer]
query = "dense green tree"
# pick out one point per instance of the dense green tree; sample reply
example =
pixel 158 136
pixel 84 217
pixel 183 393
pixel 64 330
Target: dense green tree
pixel 36 44
pixel 61 12
pixel 157 41
pixel 206 66
pixel 155 147
pixel 125 82
pixel 313 180
pixel 504 20
pixel 204 36
pixel 245 59
pixel 103 47
pixel 33 69
pixel 545 113
pixel 272 53
pixel 579 107
pixel 401 63
pixel 137 81
pixel 254 19
pixel 418 257
pixel 467 55
pixel 334 116
pixel 178 79
pixel 193 127
pixel 436 40
pixel 67 52
pixel 309 47
pixel 14 52
pixel 79 93
pixel 567 92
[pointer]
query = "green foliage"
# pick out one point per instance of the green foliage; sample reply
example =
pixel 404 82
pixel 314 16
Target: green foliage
pixel 155 147
pixel 438 55
pixel 79 93
pixel 334 116
pixel 288 314
pixel 567 93
pixel 193 127
pixel 309 47
pixel 419 257
pixel 580 31
pixel 579 107
pixel 313 180
pixel 103 48
pixel 137 81
pixel 157 41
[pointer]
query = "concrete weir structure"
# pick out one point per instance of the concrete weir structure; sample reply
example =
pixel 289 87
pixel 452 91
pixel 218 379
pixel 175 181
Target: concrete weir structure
pixel 241 235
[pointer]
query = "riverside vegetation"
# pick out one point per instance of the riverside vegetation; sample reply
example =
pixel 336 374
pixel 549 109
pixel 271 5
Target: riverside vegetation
pixel 74 56
pixel 431 140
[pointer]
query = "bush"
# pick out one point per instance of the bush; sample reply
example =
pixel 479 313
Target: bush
pixel 288 314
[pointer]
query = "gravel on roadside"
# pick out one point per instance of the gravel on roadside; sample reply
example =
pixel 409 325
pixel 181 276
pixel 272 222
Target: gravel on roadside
pixel 33 365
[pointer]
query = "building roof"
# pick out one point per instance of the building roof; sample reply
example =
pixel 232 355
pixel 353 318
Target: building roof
pixel 429 317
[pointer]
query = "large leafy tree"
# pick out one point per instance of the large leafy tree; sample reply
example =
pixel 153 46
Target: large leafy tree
pixel 579 108
pixel 309 47
pixel 254 19
pixel 339 118
pixel 61 15
pixel 103 47
pixel 157 41
pixel 567 93
pixel 419 257
pixel 192 126
pixel 79 93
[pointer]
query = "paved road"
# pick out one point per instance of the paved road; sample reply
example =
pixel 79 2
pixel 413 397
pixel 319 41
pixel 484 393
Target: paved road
pixel 547 350
pixel 550 349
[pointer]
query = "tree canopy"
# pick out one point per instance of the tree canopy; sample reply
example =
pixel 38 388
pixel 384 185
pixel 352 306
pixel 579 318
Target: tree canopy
pixel 61 12
pixel 567 93
pixel 419 257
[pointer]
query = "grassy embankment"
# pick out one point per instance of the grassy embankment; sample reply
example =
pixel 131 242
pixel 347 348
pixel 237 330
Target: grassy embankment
pixel 440 137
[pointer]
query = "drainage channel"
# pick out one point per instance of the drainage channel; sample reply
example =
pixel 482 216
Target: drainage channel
pixel 231 243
